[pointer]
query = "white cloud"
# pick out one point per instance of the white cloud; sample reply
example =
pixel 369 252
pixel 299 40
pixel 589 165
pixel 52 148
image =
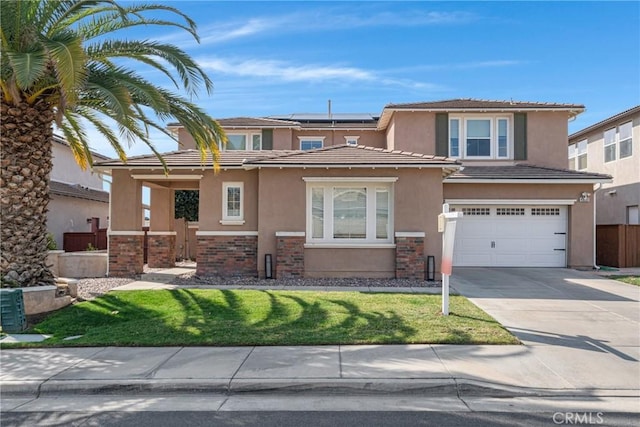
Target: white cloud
pixel 282 70
pixel 315 20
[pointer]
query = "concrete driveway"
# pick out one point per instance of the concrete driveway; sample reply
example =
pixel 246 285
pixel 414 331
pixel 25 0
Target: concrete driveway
pixel 581 325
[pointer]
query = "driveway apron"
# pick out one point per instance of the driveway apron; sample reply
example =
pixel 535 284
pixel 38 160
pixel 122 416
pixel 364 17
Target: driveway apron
pixel 584 327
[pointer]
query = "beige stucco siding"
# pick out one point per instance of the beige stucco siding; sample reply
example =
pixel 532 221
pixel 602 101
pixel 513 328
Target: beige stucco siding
pixel 282 207
pixel 211 200
pixel 624 191
pixel 126 202
pixel 370 138
pixel 580 238
pixel 547 136
pixel 413 131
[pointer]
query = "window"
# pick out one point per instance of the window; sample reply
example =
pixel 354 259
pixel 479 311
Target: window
pixel 510 211
pixel 572 156
pixel 626 140
pixel 311 143
pixel 633 215
pixel 239 141
pixel 351 140
pixel 545 211
pixel 476 211
pixel 232 204
pixel 482 137
pixel 610 145
pixel 581 155
pixel 454 138
pixel 349 212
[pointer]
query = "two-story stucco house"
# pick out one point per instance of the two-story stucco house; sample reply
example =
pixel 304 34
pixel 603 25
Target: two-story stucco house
pixel 612 146
pixel 76 195
pixel 359 194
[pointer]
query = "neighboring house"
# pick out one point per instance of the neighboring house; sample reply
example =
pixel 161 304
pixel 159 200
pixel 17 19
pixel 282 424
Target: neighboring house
pixel 612 146
pixel 359 194
pixel 76 195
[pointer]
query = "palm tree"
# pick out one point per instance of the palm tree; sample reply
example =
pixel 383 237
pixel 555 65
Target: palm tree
pixel 62 63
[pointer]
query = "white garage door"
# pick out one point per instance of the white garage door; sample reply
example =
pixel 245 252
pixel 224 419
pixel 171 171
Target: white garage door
pixel 511 236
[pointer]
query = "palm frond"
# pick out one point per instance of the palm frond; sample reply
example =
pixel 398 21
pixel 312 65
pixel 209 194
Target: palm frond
pixel 69 63
pixel 27 67
pixel 189 71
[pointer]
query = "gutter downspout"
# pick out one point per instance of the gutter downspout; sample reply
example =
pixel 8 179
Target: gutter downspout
pixel 595 190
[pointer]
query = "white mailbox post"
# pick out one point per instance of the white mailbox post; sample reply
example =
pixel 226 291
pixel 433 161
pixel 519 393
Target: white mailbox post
pixel 447 226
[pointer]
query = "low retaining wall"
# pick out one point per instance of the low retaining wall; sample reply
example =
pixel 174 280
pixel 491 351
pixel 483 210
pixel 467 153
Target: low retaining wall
pixel 78 264
pixel 42 299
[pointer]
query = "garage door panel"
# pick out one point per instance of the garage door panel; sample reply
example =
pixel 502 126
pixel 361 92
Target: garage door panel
pixel 511 236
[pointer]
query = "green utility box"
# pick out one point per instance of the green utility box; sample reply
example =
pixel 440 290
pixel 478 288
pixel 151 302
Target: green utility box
pixel 12 315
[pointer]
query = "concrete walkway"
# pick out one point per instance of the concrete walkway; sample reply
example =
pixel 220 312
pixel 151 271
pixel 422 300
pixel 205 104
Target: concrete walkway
pixel 580 334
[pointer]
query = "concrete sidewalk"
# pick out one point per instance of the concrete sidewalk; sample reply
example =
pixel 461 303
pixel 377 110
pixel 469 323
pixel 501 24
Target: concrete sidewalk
pixel 432 370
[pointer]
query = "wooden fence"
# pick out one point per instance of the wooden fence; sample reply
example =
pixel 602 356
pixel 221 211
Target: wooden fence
pixel 618 245
pixel 81 241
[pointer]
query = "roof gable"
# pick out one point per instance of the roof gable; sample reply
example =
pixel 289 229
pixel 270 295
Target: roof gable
pixel 461 105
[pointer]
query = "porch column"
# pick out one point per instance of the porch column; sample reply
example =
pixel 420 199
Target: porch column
pixel 126 238
pixel 161 235
pixel 289 254
pixel 410 255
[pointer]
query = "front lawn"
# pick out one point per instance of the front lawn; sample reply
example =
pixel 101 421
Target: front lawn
pixel 632 280
pixel 192 317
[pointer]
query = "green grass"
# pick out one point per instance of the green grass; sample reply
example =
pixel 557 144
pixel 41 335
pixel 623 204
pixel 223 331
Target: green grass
pixel 632 280
pixel 189 317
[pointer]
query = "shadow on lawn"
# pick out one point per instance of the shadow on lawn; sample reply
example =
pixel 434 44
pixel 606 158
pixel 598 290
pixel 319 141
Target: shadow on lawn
pixel 192 317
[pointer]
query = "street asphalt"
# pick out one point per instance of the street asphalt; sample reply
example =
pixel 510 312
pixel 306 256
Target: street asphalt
pixel 580 334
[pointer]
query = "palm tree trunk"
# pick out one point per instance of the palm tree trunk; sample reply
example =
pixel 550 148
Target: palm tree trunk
pixel 26 134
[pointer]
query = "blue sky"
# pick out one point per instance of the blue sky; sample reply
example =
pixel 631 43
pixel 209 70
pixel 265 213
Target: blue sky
pixel 268 58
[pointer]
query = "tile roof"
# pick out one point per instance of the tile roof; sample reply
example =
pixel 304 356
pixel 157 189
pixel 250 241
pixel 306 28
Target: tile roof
pixel 190 159
pixel 334 156
pixel 620 116
pixel 469 103
pixel 257 122
pixel 522 172
pixel 346 155
pixel 78 191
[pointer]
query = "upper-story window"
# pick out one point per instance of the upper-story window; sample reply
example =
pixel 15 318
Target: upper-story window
pixel 610 145
pixel 618 141
pixel 351 140
pixel 243 141
pixel 625 132
pixel 578 155
pixel 480 137
pixel 311 142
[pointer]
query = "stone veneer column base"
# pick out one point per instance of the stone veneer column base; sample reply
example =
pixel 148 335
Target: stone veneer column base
pixel 289 254
pixel 410 255
pixel 227 255
pixel 126 253
pixel 161 249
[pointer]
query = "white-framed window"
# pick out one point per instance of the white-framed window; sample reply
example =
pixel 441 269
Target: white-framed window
pixel 625 136
pixel 351 140
pixel 232 203
pixel 573 152
pixel 311 142
pixel 349 211
pixel 481 137
pixel 610 145
pixel 243 141
pixel 581 155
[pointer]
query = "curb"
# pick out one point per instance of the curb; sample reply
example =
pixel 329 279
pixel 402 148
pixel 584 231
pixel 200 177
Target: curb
pixel 423 387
